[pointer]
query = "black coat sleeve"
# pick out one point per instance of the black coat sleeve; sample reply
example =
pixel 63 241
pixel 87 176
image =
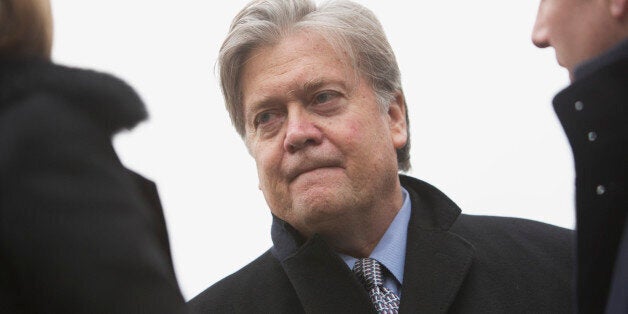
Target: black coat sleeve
pixel 76 234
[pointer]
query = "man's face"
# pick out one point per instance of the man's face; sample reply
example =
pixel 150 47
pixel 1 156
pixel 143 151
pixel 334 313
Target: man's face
pixel 324 149
pixel 577 29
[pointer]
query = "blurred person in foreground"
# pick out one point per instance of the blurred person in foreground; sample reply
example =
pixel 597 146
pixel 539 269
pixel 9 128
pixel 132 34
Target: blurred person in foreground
pixel 590 38
pixel 315 92
pixel 79 233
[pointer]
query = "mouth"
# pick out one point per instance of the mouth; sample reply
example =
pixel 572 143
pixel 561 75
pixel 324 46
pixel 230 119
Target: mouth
pixel 313 170
pixel 304 168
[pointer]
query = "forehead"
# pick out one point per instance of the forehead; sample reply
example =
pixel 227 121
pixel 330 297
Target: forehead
pixel 296 61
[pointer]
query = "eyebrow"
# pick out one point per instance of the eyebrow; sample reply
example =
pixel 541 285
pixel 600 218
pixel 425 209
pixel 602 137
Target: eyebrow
pixel 312 85
pixel 306 88
pixel 260 105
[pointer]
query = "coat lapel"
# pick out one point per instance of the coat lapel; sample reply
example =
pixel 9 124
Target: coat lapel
pixel 323 282
pixel 437 261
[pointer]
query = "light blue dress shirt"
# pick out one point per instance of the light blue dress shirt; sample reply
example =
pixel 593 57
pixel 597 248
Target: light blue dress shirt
pixel 391 249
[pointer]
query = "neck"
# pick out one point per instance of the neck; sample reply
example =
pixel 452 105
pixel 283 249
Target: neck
pixel 618 51
pixel 358 236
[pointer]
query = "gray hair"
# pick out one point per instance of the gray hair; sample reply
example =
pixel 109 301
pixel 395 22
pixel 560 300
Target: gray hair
pixel 348 25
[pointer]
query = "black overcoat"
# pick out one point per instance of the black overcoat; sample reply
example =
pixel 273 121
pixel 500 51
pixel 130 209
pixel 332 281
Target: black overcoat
pixel 594 114
pixel 454 264
pixel 79 233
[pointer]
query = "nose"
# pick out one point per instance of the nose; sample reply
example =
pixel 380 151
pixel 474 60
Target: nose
pixel 540 36
pixel 301 131
pixel 540 31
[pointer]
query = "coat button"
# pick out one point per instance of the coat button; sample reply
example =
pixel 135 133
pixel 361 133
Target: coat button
pixel 579 105
pixel 600 189
pixel 592 136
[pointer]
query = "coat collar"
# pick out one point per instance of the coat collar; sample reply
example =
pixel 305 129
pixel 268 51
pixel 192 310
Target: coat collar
pixel 607 58
pixel 437 260
pixel 313 269
pixel 109 101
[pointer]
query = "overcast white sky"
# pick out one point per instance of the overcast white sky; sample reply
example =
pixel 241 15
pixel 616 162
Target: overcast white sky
pixel 479 96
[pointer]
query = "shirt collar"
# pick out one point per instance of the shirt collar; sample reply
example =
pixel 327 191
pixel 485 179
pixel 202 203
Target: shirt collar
pixel 391 248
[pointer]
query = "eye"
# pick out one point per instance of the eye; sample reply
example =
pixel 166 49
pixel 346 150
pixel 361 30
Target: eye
pixel 324 97
pixel 263 118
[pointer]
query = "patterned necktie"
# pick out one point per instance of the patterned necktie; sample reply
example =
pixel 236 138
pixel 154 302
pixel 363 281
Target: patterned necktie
pixel 369 272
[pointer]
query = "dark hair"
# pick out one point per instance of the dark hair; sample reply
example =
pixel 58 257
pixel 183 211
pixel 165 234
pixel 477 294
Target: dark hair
pixel 25 29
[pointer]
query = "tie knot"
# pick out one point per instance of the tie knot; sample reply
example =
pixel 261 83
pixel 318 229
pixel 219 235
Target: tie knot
pixel 369 272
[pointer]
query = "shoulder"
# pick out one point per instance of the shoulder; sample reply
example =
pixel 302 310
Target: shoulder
pixel 50 109
pixel 259 270
pixel 519 248
pixel 519 261
pixel 54 90
pixel 257 285
pixel 516 226
pixel 39 113
pixel 507 232
pixel 40 127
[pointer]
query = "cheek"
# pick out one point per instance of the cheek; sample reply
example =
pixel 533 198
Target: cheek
pixel 351 132
pixel 363 142
pixel 268 161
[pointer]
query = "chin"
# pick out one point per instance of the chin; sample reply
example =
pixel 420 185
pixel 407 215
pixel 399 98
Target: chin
pixel 319 206
pixel 560 62
pixel 317 200
pixel 319 220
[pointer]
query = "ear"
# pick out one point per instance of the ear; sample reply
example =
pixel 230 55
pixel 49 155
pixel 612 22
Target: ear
pixel 397 121
pixel 618 8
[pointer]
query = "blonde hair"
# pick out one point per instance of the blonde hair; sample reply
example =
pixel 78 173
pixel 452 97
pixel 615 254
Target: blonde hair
pixel 25 29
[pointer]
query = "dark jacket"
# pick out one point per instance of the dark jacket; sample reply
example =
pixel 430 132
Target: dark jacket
pixel 594 113
pixel 454 264
pixel 79 233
